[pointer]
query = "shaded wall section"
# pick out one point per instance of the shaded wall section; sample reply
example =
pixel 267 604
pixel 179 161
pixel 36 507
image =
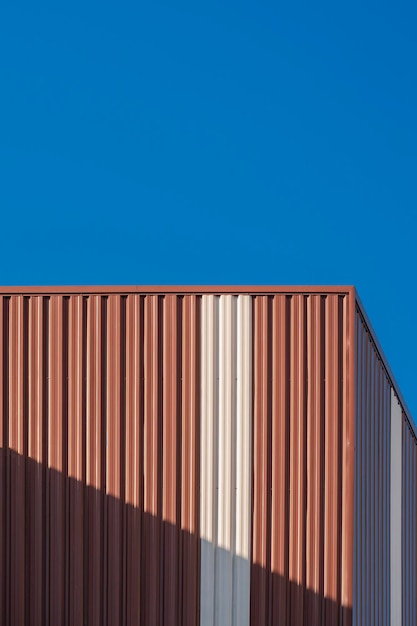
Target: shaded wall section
pixel 135 515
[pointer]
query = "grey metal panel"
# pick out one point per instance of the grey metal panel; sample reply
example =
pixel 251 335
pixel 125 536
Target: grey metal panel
pixel 207 578
pixel 372 480
pixel 396 511
pixel 409 524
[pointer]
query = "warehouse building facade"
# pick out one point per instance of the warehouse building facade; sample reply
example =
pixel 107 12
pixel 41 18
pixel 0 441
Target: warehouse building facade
pixel 202 455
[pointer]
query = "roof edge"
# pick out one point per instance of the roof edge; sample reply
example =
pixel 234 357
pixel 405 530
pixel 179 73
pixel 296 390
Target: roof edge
pixel 385 362
pixel 180 289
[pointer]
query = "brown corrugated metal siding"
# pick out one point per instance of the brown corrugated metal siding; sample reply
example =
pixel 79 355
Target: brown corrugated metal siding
pixel 301 425
pixel 99 454
pixel 197 456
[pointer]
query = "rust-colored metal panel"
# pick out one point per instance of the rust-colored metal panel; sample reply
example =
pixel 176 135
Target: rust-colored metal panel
pixel 297 457
pixel 36 460
pixel 76 430
pixel 280 458
pixel 303 428
pixel 95 467
pixel 17 447
pixel 14 441
pixel 56 458
pixel 152 465
pixel 114 431
pixel 348 361
pixel 315 458
pixel 171 454
pixel 190 437
pixel 4 542
pixel 134 456
pixel 333 454
pixel 261 463
pixel 100 412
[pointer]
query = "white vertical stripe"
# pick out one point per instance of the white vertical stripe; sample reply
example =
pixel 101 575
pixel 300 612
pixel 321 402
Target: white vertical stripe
pixel 227 412
pixel 396 521
pixel 243 427
pixel 208 462
pixel 208 393
pixel 241 586
pixel 225 460
pixel 227 352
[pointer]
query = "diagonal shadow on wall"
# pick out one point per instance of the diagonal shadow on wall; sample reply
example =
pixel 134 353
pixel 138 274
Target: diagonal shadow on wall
pixel 70 554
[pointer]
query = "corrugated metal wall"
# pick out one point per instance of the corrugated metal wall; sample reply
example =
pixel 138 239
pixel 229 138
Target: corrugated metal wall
pixel 185 458
pixel 385 568
pixel 409 524
pixel 301 572
pixel 98 469
pixel 177 458
pixel 372 484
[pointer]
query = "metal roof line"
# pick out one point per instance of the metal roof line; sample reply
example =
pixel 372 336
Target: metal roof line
pixel 362 312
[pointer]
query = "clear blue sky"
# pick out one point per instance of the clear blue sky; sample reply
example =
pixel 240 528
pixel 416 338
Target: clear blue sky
pixel 218 143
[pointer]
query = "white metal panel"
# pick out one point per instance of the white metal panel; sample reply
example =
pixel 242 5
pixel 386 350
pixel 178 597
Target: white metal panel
pixel 227 374
pixel 243 427
pixel 208 454
pixel 396 522
pixel 241 580
pixel 226 441
pixel 226 466
pixel 209 358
